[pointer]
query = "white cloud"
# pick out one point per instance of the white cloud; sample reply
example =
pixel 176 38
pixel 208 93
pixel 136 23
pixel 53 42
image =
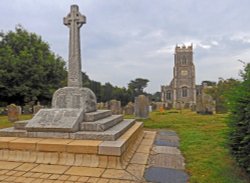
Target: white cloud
pixel 126 39
pixel 241 36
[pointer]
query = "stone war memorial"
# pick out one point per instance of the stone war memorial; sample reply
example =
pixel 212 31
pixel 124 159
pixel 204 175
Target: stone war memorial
pixel 75 142
pixel 73 138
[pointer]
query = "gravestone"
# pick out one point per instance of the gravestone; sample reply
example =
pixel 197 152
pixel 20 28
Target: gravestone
pixel 129 109
pixel 106 105
pixel 13 112
pixel 159 105
pixel 141 106
pixel 27 109
pixel 205 103
pixel 115 106
pixel 37 107
pixel 153 104
pixel 100 105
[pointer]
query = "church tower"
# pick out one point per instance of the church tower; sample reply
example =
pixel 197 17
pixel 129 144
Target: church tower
pixel 182 89
pixel 183 84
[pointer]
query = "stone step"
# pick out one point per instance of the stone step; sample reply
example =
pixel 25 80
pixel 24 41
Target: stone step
pixel 12 132
pixel 102 124
pixel 20 125
pixel 99 114
pixel 111 134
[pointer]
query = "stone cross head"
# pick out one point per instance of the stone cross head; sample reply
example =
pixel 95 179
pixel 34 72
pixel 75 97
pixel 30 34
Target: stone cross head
pixel 74 17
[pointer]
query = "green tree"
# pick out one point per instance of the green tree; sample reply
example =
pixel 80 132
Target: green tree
pixel 208 83
pixel 156 97
pixel 137 86
pixel 239 101
pixel 28 69
pixel 107 92
pixel 96 88
pixel 220 91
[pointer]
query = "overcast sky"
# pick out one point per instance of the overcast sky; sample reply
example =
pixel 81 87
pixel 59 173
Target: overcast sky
pixel 127 39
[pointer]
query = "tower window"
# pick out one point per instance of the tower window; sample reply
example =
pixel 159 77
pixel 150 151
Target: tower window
pixel 168 95
pixel 184 60
pixel 184 91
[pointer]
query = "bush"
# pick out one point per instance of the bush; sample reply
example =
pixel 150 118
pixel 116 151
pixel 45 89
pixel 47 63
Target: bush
pixel 240 121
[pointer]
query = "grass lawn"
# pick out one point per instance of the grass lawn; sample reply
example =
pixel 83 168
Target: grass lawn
pixel 203 144
pixel 4 123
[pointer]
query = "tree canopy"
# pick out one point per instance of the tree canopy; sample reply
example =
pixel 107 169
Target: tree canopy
pixel 219 92
pixel 29 70
pixel 137 85
pixel 108 92
pixel 239 102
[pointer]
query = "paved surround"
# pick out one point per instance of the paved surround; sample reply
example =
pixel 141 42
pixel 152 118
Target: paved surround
pixel 141 166
pixel 107 172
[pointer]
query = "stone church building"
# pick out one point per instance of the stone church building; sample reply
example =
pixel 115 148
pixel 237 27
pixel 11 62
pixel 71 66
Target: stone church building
pixel 182 92
pixel 182 88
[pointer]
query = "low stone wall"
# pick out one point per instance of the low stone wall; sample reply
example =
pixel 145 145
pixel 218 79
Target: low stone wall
pixel 91 153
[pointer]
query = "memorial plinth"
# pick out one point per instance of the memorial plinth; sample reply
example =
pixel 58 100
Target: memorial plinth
pixel 73 131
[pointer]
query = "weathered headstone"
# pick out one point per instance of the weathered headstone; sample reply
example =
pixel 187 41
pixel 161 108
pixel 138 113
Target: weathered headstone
pixel 115 106
pixel 37 107
pixel 100 105
pixel 27 109
pixel 159 105
pixel 106 105
pixel 129 109
pixel 13 112
pixel 153 104
pixel 205 103
pixel 141 107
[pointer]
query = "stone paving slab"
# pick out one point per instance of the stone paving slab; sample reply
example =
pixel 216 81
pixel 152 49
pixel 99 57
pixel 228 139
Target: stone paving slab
pixel 168 133
pixel 170 138
pixel 8 165
pixel 53 169
pixel 165 150
pixel 174 161
pixel 85 171
pixel 166 143
pixel 165 175
pixel 26 167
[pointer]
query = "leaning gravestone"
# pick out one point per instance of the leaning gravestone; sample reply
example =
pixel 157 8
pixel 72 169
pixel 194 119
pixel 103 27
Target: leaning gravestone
pixel 129 109
pixel 141 106
pixel 13 112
